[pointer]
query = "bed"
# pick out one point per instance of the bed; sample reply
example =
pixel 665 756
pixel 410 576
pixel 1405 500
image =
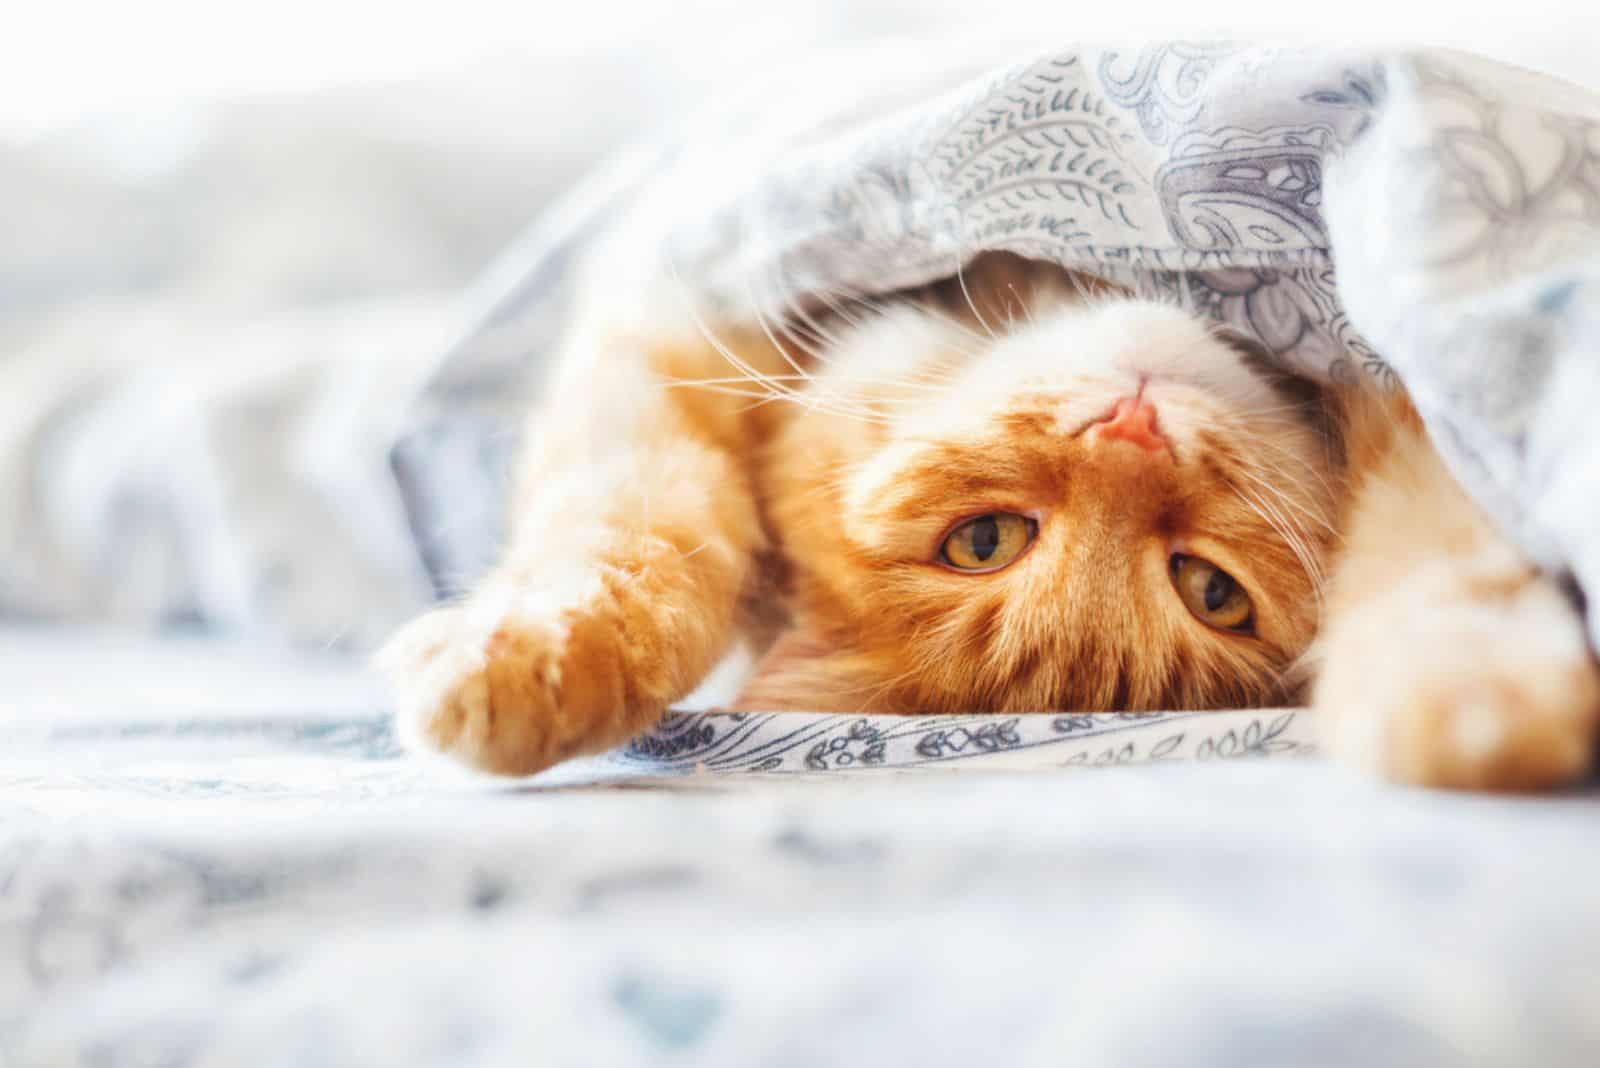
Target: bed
pixel 212 855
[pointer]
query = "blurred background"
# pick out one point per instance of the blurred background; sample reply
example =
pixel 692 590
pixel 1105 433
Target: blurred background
pixel 237 237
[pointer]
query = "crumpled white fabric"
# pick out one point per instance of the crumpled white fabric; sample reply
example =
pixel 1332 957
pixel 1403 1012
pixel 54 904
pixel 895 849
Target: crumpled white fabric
pixel 1430 216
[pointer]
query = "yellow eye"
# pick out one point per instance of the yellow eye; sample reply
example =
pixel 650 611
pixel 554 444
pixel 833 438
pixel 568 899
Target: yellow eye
pixel 1211 594
pixel 988 542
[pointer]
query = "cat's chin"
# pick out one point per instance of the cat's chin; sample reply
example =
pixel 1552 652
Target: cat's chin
pixel 1126 342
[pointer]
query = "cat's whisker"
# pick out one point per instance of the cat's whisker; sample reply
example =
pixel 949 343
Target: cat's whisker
pixel 1298 507
pixel 726 391
pixel 766 328
pixel 1027 305
pixel 778 389
pixel 1277 409
pixel 797 309
pixel 751 372
pixel 1299 462
pixel 977 313
pixel 812 400
pixel 1296 537
pixel 1314 514
pixel 1295 472
pixel 850 319
pixel 795 319
pixel 875 310
pixel 822 402
pixel 670 383
pixel 1291 536
pixel 832 403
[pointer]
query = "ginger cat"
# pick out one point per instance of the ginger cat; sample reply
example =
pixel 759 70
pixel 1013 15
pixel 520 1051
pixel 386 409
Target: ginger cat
pixel 1020 491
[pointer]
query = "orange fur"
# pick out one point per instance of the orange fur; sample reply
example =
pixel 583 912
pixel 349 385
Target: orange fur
pixel 1447 659
pixel 677 485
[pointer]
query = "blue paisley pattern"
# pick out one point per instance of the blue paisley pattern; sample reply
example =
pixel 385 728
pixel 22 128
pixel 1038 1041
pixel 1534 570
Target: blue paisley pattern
pixel 1401 216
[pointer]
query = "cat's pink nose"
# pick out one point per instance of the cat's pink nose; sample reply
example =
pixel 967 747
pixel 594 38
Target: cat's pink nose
pixel 1132 420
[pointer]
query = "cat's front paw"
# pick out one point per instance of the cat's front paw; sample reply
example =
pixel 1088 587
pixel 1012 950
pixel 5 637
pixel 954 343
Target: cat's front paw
pixel 508 694
pixel 1484 696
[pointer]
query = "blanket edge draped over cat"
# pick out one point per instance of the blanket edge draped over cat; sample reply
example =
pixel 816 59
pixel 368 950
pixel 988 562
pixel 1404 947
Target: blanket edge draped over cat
pixel 1458 198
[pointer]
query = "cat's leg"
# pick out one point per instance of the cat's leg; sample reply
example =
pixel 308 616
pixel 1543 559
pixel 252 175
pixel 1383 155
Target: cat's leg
pixel 1447 659
pixel 633 535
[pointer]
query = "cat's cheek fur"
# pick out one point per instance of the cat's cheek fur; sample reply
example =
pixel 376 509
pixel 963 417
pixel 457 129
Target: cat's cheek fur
pixel 806 670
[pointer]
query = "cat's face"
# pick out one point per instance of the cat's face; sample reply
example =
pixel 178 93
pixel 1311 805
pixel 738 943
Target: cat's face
pixel 1104 507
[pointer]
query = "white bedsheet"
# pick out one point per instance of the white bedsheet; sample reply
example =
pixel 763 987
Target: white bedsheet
pixel 214 856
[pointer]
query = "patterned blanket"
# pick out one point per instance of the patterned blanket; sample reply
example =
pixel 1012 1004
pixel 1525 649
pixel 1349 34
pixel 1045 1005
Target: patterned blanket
pixel 1434 217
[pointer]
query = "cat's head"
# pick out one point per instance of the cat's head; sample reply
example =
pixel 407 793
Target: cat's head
pixel 1100 504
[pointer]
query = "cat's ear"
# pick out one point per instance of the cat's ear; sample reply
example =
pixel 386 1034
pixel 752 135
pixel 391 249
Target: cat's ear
pixel 807 670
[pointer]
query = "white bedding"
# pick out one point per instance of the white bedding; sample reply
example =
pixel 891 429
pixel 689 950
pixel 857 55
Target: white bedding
pixel 214 856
